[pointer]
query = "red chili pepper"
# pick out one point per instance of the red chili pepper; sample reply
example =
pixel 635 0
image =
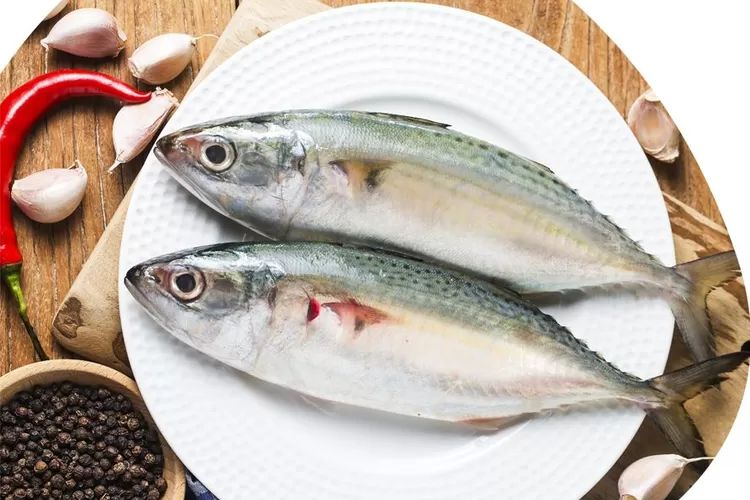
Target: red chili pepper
pixel 18 113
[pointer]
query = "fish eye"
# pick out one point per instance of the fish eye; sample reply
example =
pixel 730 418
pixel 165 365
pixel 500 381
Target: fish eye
pixel 187 284
pixel 217 154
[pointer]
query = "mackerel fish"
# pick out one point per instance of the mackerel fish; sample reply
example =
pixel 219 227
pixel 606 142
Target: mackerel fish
pixel 377 330
pixel 417 187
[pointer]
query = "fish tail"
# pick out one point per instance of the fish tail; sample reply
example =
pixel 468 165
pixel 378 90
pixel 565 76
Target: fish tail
pixel 688 299
pixel 676 387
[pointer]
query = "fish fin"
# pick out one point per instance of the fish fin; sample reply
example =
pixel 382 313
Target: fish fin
pixel 354 316
pixel 324 406
pixel 410 119
pixel 689 308
pixel 676 387
pixel 361 175
pixel 494 424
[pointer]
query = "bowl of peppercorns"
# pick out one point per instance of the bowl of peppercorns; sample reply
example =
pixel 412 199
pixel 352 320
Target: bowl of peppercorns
pixel 76 430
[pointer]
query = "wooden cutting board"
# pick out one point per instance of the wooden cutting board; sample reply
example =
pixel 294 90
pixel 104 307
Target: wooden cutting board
pixel 88 321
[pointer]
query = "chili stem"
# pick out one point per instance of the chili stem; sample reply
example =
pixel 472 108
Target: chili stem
pixel 12 276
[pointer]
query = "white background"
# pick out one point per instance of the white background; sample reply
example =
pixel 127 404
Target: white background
pixel 696 56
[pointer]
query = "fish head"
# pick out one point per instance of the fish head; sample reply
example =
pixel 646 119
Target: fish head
pixel 253 172
pixel 216 300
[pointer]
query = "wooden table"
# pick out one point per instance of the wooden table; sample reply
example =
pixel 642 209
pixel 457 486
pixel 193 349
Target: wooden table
pixel 55 253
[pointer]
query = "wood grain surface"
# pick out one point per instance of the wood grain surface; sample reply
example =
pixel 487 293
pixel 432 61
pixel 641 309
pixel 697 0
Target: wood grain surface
pixel 54 254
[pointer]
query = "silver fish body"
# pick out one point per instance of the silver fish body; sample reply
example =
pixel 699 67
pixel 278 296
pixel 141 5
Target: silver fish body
pixel 422 189
pixel 380 331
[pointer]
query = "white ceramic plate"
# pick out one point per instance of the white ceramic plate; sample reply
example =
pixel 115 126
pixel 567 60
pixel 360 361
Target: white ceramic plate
pixel 247 440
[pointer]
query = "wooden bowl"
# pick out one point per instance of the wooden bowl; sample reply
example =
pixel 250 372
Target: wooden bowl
pixel 87 373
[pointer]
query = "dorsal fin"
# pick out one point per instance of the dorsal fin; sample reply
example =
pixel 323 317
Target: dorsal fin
pixel 410 119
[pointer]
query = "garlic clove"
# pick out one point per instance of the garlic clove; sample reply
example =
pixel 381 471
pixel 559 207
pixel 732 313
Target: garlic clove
pixel 50 195
pixel 653 477
pixel 137 124
pixel 87 33
pixel 57 9
pixel 654 128
pixel 163 58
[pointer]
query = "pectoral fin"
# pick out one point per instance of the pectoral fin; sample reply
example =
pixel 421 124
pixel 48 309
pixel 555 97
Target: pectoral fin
pixel 354 316
pixel 494 424
pixel 360 175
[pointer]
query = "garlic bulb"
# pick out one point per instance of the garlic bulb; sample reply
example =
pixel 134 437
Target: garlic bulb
pixel 87 33
pixel 137 124
pixel 50 195
pixel 162 58
pixel 654 128
pixel 56 9
pixel 652 478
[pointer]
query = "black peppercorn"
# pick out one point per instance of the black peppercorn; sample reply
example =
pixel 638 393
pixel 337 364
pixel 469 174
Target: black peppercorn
pixel 119 468
pixel 57 482
pixel 161 484
pixel 81 434
pixel 78 472
pixel 63 438
pixel 10 437
pixel 97 472
pixel 21 412
pixel 74 444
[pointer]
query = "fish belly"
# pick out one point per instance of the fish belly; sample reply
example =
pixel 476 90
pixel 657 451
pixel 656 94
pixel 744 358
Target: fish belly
pixel 414 365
